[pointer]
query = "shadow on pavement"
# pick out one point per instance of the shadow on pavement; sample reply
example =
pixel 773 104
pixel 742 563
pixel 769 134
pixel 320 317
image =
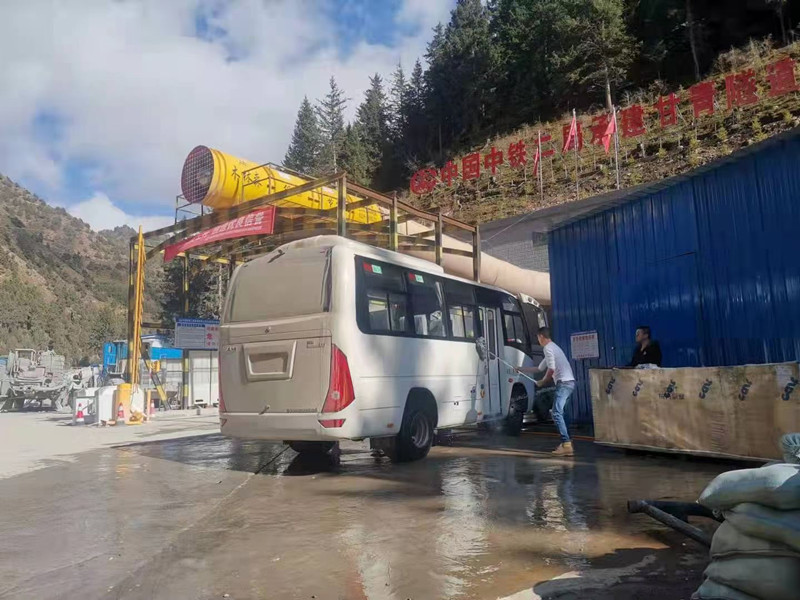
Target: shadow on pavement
pixel 630 573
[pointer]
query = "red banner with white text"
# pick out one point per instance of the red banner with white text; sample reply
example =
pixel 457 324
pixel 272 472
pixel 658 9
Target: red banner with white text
pixel 258 222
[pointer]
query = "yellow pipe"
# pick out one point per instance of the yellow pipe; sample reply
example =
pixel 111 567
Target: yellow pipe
pixel 215 179
pixel 135 345
pixel 219 180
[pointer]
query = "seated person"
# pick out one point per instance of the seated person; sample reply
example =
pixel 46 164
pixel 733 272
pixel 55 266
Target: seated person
pixel 647 351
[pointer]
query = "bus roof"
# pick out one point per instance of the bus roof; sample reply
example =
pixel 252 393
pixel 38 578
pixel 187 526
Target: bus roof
pixel 362 249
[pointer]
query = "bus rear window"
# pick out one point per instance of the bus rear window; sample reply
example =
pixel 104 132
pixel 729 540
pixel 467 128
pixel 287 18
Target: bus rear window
pixel 284 285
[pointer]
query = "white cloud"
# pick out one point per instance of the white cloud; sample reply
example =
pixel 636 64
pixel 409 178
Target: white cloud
pixel 136 90
pixel 100 213
pixel 425 13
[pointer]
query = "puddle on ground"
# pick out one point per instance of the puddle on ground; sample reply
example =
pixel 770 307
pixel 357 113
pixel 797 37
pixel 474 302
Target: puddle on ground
pixel 487 517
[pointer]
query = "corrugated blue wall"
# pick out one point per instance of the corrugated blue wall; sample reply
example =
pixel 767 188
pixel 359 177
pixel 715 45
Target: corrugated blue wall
pixel 712 264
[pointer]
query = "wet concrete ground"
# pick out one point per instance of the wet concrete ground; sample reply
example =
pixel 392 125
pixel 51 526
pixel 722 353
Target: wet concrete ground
pixel 207 517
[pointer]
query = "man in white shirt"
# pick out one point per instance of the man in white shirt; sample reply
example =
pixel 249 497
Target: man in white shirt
pixel 559 371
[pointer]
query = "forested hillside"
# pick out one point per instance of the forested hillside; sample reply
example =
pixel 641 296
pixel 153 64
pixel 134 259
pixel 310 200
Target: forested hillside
pixel 59 280
pixel 503 70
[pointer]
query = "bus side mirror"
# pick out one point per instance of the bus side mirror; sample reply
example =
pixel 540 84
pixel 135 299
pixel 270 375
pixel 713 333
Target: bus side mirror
pixel 480 348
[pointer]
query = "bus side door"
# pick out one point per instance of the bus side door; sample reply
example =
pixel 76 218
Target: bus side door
pixel 489 389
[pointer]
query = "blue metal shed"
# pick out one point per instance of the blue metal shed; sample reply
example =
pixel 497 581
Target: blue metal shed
pixel 710 260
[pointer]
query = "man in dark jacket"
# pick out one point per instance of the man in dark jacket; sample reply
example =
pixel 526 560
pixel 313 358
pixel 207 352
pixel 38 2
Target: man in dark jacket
pixel 647 351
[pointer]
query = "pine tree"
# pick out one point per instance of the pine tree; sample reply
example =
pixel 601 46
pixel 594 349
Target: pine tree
pixel 304 149
pixel 416 121
pixel 529 37
pixel 398 104
pixel 437 96
pixel 462 75
pixel 354 157
pixel 204 300
pixel 601 51
pixel 779 6
pixel 373 128
pixel 330 115
pixel 398 130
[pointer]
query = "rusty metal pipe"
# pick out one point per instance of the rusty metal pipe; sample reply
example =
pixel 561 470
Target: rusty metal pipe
pixel 643 506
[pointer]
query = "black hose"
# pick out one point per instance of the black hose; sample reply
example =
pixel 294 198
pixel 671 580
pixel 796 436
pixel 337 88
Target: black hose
pixel 642 506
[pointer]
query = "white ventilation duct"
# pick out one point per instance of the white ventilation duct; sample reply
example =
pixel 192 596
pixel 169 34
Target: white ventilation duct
pixel 493 270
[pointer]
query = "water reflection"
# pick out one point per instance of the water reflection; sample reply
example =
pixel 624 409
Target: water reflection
pixel 461 528
pixel 463 523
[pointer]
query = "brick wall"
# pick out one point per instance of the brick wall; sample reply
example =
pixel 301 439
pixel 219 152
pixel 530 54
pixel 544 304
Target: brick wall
pixel 516 244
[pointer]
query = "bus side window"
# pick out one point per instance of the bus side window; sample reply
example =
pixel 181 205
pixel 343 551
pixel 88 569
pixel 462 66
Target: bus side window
pixel 387 312
pixel 425 303
pixel 457 321
pixel 462 309
pixel 384 298
pixel 470 326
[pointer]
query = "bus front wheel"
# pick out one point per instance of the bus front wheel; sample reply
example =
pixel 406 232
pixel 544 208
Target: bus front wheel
pixel 516 413
pixel 416 434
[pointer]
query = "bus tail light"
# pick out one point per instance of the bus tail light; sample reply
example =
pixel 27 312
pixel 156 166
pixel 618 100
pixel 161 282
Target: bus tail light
pixel 340 388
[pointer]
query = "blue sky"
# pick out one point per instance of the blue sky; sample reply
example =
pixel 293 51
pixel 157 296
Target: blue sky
pixel 99 115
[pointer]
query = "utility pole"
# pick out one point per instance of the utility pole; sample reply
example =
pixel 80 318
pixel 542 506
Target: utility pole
pixel 616 144
pixel 575 141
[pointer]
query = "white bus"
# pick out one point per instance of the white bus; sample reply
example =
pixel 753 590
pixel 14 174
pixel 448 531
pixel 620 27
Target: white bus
pixel 329 339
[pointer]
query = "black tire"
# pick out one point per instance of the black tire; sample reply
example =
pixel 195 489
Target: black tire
pixel 416 434
pixel 542 405
pixel 315 448
pixel 516 413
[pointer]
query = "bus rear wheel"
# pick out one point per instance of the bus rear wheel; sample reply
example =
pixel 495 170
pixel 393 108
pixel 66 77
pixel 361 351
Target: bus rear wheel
pixel 416 434
pixel 312 448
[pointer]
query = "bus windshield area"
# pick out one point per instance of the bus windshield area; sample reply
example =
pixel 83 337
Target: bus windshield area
pixel 284 285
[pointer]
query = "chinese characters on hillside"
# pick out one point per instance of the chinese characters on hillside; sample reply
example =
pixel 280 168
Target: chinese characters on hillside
pixel 740 90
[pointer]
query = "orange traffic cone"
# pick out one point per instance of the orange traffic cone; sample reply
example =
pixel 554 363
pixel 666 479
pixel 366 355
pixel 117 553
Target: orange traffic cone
pixel 79 420
pixel 121 414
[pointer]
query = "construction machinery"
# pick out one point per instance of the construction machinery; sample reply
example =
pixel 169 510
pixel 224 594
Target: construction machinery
pixel 36 379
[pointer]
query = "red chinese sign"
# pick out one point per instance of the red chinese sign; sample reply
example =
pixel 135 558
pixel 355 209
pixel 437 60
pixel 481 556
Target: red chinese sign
pixel 667 108
pixel 741 90
pixel 258 222
pixel 423 181
pixel 702 98
pixel 517 154
pixel 493 159
pixel 632 121
pixel 598 128
pixel 449 172
pixel 471 166
pixel 781 78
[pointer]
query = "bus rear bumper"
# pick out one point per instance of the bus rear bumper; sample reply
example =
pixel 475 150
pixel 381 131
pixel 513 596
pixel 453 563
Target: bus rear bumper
pixel 306 427
pixel 285 427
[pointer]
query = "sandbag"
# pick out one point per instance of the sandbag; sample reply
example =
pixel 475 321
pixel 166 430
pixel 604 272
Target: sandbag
pixel 766 523
pixel 773 578
pixel 728 542
pixel 777 486
pixel 790 444
pixel 712 590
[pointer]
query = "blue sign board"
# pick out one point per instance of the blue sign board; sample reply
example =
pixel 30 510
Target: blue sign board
pixel 197 334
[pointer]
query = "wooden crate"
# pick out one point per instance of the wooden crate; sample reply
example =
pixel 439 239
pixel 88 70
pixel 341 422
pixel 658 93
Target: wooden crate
pixel 736 412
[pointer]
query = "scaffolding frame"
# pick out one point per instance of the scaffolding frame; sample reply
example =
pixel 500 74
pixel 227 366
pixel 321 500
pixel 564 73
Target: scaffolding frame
pixel 292 222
